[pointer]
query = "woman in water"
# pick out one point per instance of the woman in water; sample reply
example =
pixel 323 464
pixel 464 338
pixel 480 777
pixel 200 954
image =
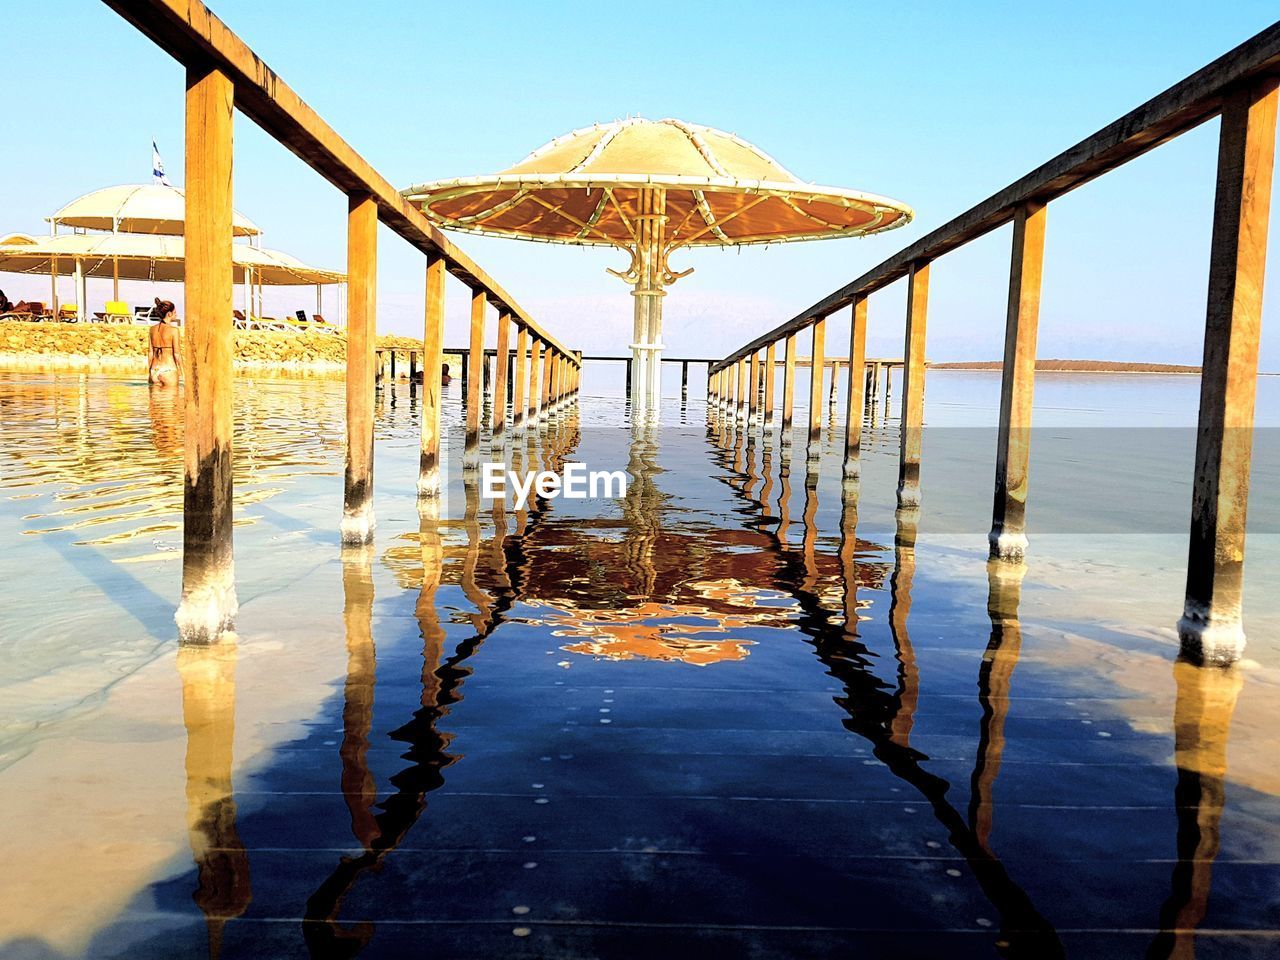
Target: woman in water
pixel 165 365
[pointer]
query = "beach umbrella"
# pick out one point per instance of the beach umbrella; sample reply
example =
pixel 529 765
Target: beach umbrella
pixel 137 208
pixel 652 188
pixel 151 257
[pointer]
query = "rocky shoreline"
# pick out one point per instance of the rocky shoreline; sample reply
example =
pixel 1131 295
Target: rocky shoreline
pixel 91 348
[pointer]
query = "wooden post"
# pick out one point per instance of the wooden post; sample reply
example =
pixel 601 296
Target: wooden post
pixel 502 364
pixel 1017 383
pixel 743 390
pixel 856 401
pixel 413 367
pixel 1211 627
pixel 548 363
pixel 684 379
pixel 209 605
pixel 557 381
pixel 392 351
pixel 788 387
pixel 432 389
pixel 913 386
pixel 834 392
pixel 817 369
pixel 628 379
pixel 475 361
pixel 770 358
pixel 362 275
pixel 753 390
pixel 521 378
pixel 532 411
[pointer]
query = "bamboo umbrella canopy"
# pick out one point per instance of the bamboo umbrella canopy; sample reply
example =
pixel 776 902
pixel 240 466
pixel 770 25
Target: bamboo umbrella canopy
pixel 651 188
pixel 138 208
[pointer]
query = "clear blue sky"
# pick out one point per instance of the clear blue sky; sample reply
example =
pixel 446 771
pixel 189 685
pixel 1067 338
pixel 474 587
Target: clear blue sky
pixel 935 104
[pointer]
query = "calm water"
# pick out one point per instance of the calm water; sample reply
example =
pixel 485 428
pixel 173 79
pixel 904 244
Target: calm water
pixel 734 714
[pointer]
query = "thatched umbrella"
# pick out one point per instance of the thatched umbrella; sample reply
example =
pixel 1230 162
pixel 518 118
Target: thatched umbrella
pixel 152 257
pixel 651 188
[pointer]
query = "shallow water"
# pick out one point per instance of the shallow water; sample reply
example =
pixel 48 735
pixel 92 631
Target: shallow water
pixel 734 713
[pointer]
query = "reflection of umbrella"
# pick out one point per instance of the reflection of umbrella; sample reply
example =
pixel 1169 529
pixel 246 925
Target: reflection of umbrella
pixel 138 208
pixel 650 188
pixel 147 257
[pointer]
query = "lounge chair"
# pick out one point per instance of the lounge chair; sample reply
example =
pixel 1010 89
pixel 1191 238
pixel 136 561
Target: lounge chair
pixel 69 313
pixel 144 313
pixel 32 310
pixel 117 312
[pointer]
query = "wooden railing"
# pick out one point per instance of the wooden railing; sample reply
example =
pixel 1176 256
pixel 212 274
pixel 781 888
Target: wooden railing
pixel 224 74
pixel 1241 88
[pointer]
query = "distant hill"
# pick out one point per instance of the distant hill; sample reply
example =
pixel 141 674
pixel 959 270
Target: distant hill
pixel 1076 366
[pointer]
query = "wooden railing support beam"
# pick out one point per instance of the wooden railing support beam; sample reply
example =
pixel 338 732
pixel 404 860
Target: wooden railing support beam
pixel 209 605
pixel 1017 384
pixel 1211 628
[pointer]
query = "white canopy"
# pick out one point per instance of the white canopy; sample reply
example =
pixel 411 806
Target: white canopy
pixel 138 208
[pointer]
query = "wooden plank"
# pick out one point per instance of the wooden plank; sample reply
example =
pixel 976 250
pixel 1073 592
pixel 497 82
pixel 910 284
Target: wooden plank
pixel 208 606
pixel 476 363
pixel 521 377
pixel 192 35
pixel 502 364
pixel 1180 108
pixel 1017 385
pixel 817 369
pixel 432 375
pixel 913 387
pixel 857 399
pixel 362 278
pixel 1211 627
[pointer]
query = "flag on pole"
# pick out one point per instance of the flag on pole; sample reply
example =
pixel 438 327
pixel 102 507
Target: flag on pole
pixel 157 166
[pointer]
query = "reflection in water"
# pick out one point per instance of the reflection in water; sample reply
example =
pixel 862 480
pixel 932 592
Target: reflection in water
pixel 111 451
pixel 651 579
pixel 427 749
pixel 904 571
pixel 884 718
pixel 208 711
pixel 994 682
pixel 358 786
pixel 1201 725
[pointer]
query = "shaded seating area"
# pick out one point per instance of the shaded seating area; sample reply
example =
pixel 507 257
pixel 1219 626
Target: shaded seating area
pixel 137 232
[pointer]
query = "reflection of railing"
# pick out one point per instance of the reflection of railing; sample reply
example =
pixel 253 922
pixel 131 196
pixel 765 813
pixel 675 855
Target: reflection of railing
pixel 1204 705
pixel 885 718
pixel 1241 88
pixel 427 752
pixel 224 74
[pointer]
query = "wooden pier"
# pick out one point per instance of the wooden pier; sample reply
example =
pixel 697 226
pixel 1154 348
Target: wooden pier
pixel 1241 89
pixel 223 75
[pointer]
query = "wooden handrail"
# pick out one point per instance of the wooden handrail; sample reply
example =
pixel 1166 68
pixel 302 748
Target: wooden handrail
pixel 189 32
pixel 1183 106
